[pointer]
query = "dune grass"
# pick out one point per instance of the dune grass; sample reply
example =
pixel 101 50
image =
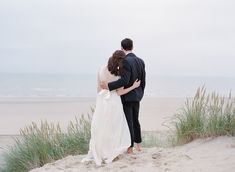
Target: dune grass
pixel 206 115
pixel 44 143
pixel 156 139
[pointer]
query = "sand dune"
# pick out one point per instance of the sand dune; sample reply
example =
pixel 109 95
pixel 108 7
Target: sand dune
pixel 203 155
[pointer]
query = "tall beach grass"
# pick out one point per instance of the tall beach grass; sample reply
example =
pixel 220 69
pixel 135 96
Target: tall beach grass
pixel 44 143
pixel 206 115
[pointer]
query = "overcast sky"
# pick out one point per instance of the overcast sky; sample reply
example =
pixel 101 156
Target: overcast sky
pixel 174 37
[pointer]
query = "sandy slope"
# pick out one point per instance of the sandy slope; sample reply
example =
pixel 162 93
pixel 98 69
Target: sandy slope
pixel 207 155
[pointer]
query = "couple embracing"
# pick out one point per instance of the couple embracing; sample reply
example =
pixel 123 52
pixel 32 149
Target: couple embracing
pixel 115 125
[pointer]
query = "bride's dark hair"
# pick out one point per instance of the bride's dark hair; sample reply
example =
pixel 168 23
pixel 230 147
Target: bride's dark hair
pixel 115 63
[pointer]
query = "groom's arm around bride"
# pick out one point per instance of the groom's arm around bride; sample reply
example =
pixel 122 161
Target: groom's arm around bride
pixel 133 69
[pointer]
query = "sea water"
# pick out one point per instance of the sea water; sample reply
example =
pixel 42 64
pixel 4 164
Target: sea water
pixel 84 85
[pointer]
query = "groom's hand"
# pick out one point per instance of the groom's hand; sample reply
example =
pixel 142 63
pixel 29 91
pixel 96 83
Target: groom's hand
pixel 104 85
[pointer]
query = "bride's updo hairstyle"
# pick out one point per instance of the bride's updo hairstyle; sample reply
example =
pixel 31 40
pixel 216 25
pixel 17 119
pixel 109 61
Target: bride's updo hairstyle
pixel 115 63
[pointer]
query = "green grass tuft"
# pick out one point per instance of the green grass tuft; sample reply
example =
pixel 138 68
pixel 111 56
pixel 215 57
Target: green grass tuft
pixel 205 116
pixel 44 143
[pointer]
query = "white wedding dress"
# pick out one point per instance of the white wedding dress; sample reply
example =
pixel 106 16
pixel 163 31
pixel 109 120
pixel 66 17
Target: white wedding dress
pixel 110 135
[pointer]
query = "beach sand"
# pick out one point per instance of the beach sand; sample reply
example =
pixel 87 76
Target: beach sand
pixel 204 155
pixel 16 113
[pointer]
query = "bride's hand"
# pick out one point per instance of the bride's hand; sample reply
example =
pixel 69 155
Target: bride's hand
pixel 136 84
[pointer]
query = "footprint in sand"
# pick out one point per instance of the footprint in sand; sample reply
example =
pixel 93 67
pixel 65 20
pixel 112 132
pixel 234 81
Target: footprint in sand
pixel 156 156
pixel 123 167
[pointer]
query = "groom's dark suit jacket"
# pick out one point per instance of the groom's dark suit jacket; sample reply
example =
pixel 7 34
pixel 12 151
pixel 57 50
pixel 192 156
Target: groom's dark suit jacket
pixel 134 68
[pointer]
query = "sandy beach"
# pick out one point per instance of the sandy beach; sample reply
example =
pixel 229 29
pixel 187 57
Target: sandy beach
pixel 16 113
pixel 55 55
pixel 204 155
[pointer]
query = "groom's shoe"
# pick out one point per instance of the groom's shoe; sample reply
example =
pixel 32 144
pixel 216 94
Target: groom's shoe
pixel 130 150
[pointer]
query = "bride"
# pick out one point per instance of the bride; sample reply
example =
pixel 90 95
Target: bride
pixel 110 135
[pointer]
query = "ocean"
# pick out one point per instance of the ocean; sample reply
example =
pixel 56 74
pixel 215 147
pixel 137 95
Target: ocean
pixel 84 85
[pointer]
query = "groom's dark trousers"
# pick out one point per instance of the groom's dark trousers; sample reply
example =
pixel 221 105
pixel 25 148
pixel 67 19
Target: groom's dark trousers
pixel 133 68
pixel 131 110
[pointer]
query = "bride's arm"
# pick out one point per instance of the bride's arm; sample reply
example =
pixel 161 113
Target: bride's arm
pixel 122 91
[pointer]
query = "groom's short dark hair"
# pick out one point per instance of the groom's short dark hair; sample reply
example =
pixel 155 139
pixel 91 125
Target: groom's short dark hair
pixel 127 44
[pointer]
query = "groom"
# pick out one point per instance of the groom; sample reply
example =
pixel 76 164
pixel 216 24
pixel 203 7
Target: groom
pixel 134 68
